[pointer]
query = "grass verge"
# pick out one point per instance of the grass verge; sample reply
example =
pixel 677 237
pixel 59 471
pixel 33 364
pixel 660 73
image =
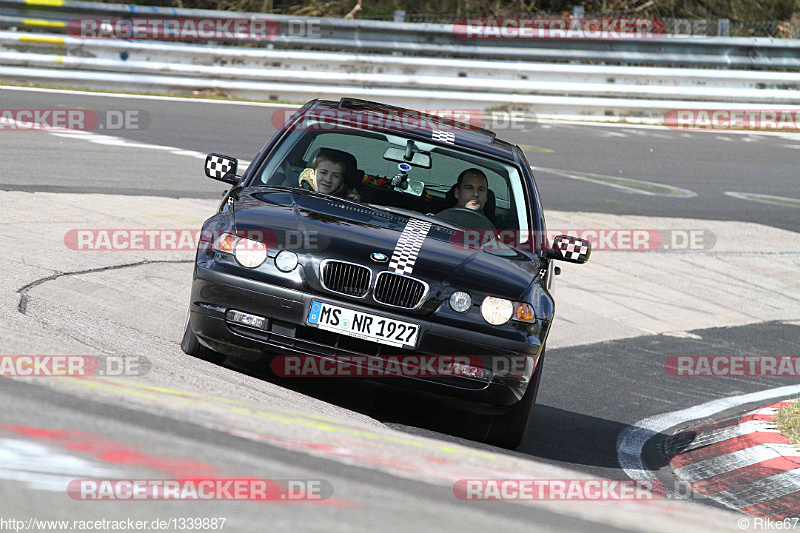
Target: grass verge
pixel 789 421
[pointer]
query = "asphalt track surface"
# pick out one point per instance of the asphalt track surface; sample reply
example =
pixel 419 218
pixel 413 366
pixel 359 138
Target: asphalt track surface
pixel 590 393
pixel 707 164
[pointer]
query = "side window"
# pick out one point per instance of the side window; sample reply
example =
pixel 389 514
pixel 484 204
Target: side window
pixel 499 185
pixel 278 169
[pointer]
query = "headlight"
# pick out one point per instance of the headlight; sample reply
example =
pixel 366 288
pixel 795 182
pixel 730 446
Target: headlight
pixel 496 311
pixel 286 260
pixel 460 301
pixel 249 253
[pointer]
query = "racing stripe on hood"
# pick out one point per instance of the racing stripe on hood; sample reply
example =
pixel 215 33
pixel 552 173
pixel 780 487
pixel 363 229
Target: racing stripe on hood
pixel 408 246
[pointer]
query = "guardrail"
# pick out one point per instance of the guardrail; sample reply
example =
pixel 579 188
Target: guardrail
pixel 440 39
pixel 419 73
pixel 546 89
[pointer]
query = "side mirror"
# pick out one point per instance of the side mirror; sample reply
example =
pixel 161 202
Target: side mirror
pixel 571 249
pixel 222 168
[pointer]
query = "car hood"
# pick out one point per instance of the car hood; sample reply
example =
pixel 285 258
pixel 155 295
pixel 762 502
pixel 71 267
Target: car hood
pixel 339 229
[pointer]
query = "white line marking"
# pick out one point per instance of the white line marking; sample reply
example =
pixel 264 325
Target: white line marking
pixel 765 199
pixel 42 468
pixel 728 462
pixel 631 440
pixel 647 133
pixel 765 411
pixel 629 185
pixel 721 434
pixel 110 140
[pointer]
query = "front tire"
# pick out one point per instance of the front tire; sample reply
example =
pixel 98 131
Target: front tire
pixel 508 429
pixel 191 346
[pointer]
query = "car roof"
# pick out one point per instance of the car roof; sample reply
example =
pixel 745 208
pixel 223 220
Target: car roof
pixel 463 135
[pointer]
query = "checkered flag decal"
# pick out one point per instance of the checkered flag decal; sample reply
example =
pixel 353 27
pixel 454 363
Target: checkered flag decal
pixel 408 246
pixel 448 137
pixel 218 167
pixel 571 248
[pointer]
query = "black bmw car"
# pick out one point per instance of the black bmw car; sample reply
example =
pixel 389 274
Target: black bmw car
pixel 363 233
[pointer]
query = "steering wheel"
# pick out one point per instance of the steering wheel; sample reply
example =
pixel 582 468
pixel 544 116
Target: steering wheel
pixel 466 218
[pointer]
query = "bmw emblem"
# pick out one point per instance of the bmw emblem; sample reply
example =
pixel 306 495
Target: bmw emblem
pixel 379 257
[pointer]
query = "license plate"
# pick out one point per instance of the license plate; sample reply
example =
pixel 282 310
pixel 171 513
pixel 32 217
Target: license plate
pixel 363 325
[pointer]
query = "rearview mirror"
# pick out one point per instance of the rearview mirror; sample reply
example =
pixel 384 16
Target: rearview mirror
pixel 571 249
pixel 222 168
pixel 418 159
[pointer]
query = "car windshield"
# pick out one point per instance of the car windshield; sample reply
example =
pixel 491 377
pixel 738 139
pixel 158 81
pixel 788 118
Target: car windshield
pixel 426 175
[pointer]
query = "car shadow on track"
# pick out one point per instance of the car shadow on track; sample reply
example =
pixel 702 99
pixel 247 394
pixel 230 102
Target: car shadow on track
pixel 554 435
pixel 559 437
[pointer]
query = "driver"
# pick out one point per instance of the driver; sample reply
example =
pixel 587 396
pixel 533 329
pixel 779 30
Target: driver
pixel 471 194
pixel 326 175
pixel 472 190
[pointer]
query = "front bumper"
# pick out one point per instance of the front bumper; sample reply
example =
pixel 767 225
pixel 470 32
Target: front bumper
pixel 287 332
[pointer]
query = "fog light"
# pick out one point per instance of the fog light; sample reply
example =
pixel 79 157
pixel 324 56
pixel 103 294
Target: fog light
pixel 246 319
pixel 286 260
pixel 460 301
pixel 457 369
